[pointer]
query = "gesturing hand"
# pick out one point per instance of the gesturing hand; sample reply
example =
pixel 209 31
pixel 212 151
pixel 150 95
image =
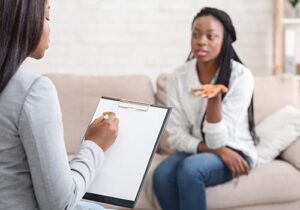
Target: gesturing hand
pixel 233 161
pixel 209 91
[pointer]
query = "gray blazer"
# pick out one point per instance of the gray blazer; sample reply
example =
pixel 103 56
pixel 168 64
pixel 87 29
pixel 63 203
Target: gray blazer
pixel 34 169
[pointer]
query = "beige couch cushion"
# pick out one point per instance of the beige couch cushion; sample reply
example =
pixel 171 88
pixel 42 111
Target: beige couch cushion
pixel 277 132
pixel 79 96
pixel 161 98
pixel 292 154
pixel 274 92
pixel 272 183
pixel 161 93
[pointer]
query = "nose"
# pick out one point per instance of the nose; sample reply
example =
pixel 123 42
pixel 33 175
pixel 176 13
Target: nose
pixel 202 40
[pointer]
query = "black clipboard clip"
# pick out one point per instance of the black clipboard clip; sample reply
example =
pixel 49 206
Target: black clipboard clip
pixel 134 105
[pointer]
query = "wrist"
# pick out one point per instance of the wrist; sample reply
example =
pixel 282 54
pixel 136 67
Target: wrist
pixel 215 99
pixel 220 151
pixel 202 148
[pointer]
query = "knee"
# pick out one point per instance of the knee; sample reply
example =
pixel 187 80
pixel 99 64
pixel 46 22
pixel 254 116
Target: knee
pixel 160 175
pixel 186 169
pixel 166 170
pixel 192 169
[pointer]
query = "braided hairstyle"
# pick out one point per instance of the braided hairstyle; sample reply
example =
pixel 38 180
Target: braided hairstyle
pixel 227 53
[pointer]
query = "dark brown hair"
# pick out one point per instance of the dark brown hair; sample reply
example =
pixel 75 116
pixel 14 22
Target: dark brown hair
pixel 21 26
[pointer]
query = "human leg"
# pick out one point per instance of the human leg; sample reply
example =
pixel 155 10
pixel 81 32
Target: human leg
pixel 165 182
pixel 194 174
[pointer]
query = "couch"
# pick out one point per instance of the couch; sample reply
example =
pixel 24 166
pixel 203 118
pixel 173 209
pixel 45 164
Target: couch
pixel 272 186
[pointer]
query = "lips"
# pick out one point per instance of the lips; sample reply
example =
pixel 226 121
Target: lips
pixel 201 52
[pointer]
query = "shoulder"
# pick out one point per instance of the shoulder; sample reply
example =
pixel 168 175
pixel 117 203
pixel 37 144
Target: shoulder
pixel 18 87
pixel 25 81
pixel 182 72
pixel 240 73
pixel 42 98
pixel 41 89
pixel 26 89
pixel 22 80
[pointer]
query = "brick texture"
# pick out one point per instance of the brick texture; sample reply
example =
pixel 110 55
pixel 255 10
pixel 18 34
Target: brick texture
pixel 111 37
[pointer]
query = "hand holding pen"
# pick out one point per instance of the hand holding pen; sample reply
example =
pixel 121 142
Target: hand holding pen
pixel 104 130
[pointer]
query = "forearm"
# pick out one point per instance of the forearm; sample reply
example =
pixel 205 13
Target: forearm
pixel 202 147
pixel 182 141
pixel 214 109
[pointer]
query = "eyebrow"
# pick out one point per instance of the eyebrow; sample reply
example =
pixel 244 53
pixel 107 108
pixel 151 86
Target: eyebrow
pixel 209 30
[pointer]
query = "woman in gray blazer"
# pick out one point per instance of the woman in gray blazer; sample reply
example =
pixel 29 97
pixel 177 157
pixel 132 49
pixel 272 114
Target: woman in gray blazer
pixel 34 169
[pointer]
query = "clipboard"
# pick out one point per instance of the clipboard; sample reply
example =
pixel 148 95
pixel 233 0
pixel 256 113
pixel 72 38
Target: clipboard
pixel 127 161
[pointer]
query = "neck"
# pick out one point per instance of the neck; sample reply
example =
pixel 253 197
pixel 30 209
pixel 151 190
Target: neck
pixel 206 71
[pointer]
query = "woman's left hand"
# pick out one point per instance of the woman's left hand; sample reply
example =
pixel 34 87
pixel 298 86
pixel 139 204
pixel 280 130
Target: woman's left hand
pixel 209 91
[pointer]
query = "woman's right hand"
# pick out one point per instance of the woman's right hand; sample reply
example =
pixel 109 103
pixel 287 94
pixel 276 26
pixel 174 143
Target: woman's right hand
pixel 233 161
pixel 103 131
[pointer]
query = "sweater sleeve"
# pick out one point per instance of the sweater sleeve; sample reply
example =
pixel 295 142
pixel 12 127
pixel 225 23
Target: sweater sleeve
pixel 56 183
pixel 179 128
pixel 234 109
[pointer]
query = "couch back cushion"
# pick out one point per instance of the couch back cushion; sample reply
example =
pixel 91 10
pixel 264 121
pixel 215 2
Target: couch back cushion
pixel 274 92
pixel 79 96
pixel 271 93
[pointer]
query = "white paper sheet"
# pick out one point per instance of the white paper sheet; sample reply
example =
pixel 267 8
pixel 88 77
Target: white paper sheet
pixel 127 159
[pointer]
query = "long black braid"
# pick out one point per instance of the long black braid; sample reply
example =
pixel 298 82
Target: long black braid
pixel 227 53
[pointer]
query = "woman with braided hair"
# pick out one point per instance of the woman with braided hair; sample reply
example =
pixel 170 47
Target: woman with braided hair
pixel 211 128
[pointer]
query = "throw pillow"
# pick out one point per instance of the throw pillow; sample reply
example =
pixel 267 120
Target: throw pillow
pixel 292 154
pixel 277 132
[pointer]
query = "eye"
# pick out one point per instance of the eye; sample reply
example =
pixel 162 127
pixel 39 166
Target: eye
pixel 211 36
pixel 47 18
pixel 195 35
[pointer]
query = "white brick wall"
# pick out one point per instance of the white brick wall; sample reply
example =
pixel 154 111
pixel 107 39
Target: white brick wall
pixel 148 37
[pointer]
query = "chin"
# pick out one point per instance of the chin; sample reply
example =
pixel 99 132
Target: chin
pixel 38 56
pixel 206 59
pixel 203 59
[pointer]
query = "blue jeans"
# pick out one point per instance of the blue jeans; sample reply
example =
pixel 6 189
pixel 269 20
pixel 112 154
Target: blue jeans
pixel 179 182
pixel 90 205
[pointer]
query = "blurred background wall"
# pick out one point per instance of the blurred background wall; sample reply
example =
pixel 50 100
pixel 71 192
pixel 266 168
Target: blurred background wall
pixel 111 37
